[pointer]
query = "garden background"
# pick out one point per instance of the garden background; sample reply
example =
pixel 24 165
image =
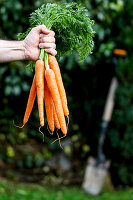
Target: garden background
pixel 23 155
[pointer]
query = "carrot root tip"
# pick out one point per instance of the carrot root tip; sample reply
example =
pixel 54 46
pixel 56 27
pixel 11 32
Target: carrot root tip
pixel 17 125
pixel 67 121
pixel 41 133
pixel 50 132
pixel 59 139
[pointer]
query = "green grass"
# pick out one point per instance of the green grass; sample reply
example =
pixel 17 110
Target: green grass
pixel 11 191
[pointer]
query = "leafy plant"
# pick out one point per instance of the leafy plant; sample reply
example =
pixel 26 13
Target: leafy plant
pixel 71 24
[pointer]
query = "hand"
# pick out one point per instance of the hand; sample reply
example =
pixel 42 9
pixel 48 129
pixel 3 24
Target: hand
pixel 39 37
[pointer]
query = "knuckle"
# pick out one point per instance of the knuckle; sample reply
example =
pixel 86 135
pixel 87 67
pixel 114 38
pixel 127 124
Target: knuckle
pixel 42 26
pixel 33 29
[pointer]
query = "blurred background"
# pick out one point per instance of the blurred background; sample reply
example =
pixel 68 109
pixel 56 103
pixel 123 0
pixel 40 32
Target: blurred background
pixel 23 155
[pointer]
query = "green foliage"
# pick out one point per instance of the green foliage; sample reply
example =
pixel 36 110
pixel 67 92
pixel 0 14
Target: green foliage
pixel 10 190
pixel 71 24
pixel 122 126
pixel 12 15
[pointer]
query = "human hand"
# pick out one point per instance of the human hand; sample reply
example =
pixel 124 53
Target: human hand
pixel 39 37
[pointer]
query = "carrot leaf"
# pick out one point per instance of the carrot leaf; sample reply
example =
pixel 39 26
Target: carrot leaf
pixel 72 26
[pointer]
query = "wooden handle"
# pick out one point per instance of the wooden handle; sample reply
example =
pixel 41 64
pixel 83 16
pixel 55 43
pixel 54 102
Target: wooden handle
pixel 108 109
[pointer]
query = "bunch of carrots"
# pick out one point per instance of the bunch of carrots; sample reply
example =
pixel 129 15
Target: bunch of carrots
pixel 73 32
pixel 48 86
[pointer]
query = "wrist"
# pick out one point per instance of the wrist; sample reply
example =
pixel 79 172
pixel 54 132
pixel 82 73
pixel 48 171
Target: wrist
pixel 25 51
pixel 12 51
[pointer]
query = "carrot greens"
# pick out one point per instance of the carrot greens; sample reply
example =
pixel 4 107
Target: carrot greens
pixel 71 24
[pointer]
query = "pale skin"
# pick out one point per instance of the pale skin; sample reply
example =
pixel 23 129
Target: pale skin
pixel 28 49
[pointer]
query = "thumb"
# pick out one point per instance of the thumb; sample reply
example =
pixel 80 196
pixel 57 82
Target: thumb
pixel 42 29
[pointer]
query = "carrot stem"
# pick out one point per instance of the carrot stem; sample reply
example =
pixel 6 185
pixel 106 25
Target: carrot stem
pixel 46 60
pixel 41 54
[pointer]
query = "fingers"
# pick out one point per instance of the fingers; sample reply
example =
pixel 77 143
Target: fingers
pixel 47 45
pixel 52 51
pixel 50 34
pixel 47 37
pixel 42 29
pixel 50 48
pixel 47 41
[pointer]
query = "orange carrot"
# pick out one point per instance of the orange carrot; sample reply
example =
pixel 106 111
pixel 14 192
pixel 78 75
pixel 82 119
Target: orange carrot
pixel 39 74
pixel 55 67
pixel 52 85
pixel 49 107
pixel 56 121
pixel 30 102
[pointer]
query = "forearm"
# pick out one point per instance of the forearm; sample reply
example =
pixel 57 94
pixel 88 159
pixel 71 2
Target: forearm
pixel 11 51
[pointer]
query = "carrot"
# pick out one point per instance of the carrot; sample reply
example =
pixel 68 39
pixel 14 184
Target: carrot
pixel 30 102
pixel 56 121
pixel 55 67
pixel 39 74
pixel 49 107
pixel 52 85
